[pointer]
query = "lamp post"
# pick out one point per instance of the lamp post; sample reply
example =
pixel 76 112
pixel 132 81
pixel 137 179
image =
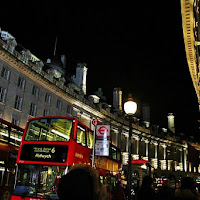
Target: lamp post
pixel 130 108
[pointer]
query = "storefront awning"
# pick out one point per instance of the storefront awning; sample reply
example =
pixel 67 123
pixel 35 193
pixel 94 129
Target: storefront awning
pixel 138 162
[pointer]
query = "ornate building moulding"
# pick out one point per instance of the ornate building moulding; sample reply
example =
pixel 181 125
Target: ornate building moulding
pixel 45 83
pixel 189 39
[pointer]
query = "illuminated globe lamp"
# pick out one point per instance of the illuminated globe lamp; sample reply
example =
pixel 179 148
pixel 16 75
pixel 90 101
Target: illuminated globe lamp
pixel 130 108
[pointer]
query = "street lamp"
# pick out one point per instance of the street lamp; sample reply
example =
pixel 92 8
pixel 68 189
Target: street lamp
pixel 130 108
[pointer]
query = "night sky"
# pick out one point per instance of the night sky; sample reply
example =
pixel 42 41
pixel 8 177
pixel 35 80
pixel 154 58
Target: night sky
pixel 139 48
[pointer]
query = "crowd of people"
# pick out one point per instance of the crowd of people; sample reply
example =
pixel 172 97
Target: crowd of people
pixel 82 182
pixel 187 190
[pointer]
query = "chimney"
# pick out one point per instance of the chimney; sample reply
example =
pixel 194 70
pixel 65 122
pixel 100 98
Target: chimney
pixel 171 122
pixel 146 112
pixel 80 78
pixel 117 99
pixel 63 60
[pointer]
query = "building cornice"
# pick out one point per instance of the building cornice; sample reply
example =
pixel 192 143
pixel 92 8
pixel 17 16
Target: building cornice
pixel 18 65
pixel 44 82
pixel 188 23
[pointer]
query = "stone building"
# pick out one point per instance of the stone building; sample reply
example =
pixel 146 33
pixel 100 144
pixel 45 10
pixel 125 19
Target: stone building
pixel 30 87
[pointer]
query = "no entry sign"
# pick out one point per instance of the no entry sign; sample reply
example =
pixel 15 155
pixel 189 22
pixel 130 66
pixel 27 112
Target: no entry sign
pixel 95 122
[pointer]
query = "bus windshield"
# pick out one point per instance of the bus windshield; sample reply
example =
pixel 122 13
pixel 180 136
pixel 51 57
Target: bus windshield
pixel 49 129
pixel 38 181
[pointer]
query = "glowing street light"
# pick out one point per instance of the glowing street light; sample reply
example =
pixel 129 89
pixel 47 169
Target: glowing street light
pixel 130 108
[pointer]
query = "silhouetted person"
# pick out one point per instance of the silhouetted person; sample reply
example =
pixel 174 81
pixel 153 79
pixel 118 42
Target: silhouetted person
pixel 187 191
pixel 166 192
pixel 146 192
pixel 118 192
pixel 81 183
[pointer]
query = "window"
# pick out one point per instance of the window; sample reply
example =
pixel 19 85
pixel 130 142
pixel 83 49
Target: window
pixel 15 136
pixel 18 103
pixel 3 132
pixel 47 98
pixel 90 139
pixel 69 109
pixel 15 121
pixel 2 95
pixel 35 91
pixel 46 112
pixel 33 109
pixel 81 139
pixel 59 104
pixel 41 175
pixel 5 73
pixel 49 129
pixel 21 83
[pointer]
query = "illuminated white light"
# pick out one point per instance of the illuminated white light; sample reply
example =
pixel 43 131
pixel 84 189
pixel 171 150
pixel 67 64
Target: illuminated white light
pixel 60 134
pixel 163 164
pixel 130 107
pixel 4 134
pixel 143 166
pixel 195 169
pixel 15 138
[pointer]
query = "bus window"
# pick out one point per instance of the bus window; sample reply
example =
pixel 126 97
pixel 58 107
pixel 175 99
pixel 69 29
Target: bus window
pixel 38 180
pixel 118 155
pixel 49 129
pixel 3 132
pixel 90 139
pixel 15 136
pixel 81 131
pixel 113 153
pixel 101 179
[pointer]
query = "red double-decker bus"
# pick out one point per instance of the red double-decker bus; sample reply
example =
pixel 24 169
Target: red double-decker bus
pixel 10 139
pixel 50 145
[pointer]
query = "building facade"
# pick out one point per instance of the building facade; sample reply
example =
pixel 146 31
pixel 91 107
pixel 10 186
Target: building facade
pixel 30 88
pixel 191 31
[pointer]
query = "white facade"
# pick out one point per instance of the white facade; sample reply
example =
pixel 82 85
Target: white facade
pixel 28 91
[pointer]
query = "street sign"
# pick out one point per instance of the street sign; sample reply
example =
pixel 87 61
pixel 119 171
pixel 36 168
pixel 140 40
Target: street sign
pixel 102 140
pixel 102 148
pixel 103 131
pixel 95 122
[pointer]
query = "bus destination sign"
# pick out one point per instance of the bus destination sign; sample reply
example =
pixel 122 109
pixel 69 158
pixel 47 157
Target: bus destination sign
pixel 45 153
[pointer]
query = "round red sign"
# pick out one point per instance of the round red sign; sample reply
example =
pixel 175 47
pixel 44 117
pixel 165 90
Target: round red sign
pixel 95 122
pixel 103 130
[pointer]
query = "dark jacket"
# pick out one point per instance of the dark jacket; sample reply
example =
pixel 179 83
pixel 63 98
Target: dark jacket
pixel 79 183
pixel 186 194
pixel 146 193
pixel 118 193
pixel 165 193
